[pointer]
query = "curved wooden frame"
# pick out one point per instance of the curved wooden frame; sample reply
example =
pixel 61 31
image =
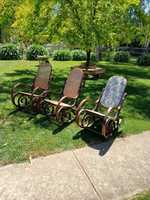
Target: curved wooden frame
pixel 35 92
pixel 109 122
pixel 64 110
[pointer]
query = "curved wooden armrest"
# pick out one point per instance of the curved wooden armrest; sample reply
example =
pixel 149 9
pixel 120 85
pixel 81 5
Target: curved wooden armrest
pixel 97 101
pixel 61 101
pixel 44 93
pixel 20 85
pixel 82 103
pixel 34 91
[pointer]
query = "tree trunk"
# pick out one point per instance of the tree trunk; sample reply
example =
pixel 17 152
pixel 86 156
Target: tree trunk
pixel 88 56
pixel 1 40
pixel 98 53
pixel 3 35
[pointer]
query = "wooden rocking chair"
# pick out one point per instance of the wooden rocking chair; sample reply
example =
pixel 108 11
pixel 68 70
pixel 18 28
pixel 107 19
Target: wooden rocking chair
pixel 110 103
pixel 65 108
pixel 32 95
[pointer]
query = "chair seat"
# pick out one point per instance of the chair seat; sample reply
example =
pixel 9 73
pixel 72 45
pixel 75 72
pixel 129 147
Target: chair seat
pixel 95 113
pixel 55 103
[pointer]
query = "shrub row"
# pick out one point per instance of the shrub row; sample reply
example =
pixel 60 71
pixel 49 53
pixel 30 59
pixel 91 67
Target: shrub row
pixel 79 55
pixel 124 56
pixel 9 52
pixel 144 60
pixel 12 52
pixel 34 51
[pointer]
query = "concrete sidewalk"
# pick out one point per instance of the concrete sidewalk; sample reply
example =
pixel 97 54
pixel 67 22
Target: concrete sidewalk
pixel 109 171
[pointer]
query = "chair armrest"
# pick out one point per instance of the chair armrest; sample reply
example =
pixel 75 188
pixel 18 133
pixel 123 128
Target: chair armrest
pixel 45 93
pixel 61 101
pixel 34 91
pixel 82 103
pixel 20 85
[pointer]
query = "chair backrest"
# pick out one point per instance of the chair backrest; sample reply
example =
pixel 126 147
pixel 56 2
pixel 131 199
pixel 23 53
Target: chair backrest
pixel 43 76
pixel 113 92
pixel 73 83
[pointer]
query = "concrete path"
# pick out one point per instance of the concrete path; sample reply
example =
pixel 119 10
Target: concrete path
pixel 109 171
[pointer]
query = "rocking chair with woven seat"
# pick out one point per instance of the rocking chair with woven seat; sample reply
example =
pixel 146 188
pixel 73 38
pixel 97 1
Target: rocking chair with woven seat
pixel 110 102
pixel 32 95
pixel 64 110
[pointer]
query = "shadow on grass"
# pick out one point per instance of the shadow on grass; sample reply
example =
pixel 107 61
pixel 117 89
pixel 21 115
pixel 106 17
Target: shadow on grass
pixel 126 70
pixel 25 77
pixel 49 123
pixel 137 101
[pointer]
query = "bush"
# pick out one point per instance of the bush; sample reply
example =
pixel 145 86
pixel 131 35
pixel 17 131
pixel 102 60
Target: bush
pixel 62 55
pixel 9 52
pixel 107 55
pixel 93 57
pixel 34 51
pixel 144 60
pixel 78 55
pixel 121 56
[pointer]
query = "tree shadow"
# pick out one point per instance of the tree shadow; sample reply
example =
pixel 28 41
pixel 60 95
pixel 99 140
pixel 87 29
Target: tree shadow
pixel 60 127
pixel 50 123
pixel 26 77
pixel 21 72
pixel 121 69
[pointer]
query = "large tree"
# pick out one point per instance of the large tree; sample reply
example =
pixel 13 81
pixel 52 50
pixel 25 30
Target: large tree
pixel 33 21
pixel 7 11
pixel 89 23
pixel 84 24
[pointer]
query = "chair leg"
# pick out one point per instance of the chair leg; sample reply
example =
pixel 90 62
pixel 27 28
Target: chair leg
pixel 21 101
pixel 84 120
pixel 65 115
pixel 108 127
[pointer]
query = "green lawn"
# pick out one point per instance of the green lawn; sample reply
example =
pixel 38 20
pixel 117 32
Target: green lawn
pixel 23 135
pixel 142 196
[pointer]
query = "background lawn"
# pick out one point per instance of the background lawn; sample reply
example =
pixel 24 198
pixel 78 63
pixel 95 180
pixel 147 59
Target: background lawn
pixel 23 135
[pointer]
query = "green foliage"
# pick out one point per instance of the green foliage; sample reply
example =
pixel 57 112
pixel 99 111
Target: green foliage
pixel 34 51
pixel 33 22
pixel 143 196
pixel 78 55
pixel 121 56
pixel 62 55
pixel 93 56
pixel 144 60
pixel 107 55
pixel 9 52
pixel 22 135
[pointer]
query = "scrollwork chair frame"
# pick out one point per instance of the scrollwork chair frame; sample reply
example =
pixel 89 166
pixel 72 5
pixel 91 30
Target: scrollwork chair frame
pixel 33 94
pixel 105 117
pixel 64 110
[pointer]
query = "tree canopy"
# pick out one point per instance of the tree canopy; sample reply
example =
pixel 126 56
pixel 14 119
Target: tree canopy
pixel 78 23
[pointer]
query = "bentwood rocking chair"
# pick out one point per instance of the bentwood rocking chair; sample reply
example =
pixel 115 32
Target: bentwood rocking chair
pixel 64 110
pixel 105 117
pixel 31 97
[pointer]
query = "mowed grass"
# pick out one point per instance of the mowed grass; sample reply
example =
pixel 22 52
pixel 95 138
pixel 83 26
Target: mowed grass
pixel 24 135
pixel 142 196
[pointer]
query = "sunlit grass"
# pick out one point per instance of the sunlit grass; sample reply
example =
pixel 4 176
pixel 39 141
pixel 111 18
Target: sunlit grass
pixel 23 135
pixel 142 196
